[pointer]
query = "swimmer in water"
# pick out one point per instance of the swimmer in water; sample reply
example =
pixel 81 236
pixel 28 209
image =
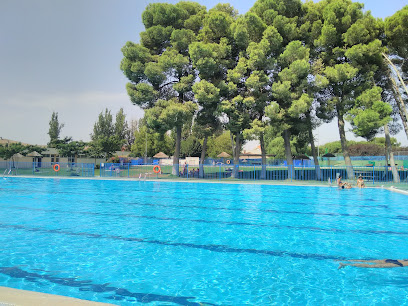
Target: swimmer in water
pixel 379 263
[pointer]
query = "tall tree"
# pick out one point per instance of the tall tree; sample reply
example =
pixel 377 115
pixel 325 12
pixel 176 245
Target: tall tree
pixel 104 140
pixel 261 52
pixel 121 126
pixel 55 129
pixel 159 68
pixel 207 121
pixel 350 51
pixel 211 57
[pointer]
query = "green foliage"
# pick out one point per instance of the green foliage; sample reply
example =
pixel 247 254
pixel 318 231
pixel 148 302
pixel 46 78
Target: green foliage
pixel 397 32
pixel 374 147
pixel 150 142
pixel 167 114
pixel 164 14
pixel 69 148
pixel 9 150
pixel 369 114
pixel 217 25
pixel 160 70
pixel 219 144
pixel 121 126
pixel 191 147
pixel 277 65
pixel 55 129
pixel 106 136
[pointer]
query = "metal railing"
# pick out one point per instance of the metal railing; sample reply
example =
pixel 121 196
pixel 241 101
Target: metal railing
pixel 47 169
pixel 255 172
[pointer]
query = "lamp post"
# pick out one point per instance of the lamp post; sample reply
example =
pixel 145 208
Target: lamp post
pixel 318 143
pixel 145 161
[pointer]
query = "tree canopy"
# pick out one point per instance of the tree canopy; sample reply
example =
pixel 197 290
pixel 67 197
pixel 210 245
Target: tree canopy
pixel 284 65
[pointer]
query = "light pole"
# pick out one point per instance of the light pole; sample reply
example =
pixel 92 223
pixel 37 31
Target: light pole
pixel 145 148
pixel 318 143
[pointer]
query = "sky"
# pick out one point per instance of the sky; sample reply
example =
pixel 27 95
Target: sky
pixel 64 56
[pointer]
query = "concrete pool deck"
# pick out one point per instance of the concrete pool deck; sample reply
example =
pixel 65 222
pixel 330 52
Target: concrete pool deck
pixel 16 297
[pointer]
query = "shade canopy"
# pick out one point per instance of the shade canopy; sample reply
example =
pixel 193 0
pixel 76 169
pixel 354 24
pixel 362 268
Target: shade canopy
pixel 161 155
pixel 224 155
pixel 34 154
pixel 18 155
pixel 301 156
pixel 329 155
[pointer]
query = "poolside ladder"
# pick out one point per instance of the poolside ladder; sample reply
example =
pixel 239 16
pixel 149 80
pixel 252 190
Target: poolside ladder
pixel 6 173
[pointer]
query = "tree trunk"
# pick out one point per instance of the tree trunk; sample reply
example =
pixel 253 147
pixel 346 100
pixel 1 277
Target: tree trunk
pixel 288 153
pixel 314 152
pixel 263 153
pixel 202 158
pixel 236 150
pixel 401 105
pixel 395 173
pixel 176 156
pixel 344 147
pixel 396 72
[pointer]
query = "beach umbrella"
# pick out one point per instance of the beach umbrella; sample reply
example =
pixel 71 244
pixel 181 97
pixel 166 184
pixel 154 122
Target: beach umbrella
pixel 301 157
pixel 34 154
pixel 224 155
pixel 328 155
pixel 161 155
pixel 18 155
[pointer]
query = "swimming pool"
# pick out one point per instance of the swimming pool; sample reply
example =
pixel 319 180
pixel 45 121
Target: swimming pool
pixel 169 243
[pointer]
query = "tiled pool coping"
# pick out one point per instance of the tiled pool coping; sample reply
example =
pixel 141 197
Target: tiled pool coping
pixel 17 297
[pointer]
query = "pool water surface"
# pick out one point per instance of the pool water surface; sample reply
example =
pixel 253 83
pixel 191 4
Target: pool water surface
pixel 171 243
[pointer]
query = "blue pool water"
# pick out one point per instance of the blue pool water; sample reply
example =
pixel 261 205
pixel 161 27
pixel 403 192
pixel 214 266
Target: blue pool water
pixel 167 243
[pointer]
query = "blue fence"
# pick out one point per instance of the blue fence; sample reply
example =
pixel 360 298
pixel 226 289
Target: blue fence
pixel 10 168
pixel 253 172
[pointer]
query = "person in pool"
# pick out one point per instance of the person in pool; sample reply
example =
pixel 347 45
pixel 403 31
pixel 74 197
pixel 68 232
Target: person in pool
pixel 341 184
pixel 360 182
pixel 377 263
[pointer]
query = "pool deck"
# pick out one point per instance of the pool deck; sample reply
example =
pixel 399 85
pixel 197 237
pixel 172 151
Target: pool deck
pixel 16 297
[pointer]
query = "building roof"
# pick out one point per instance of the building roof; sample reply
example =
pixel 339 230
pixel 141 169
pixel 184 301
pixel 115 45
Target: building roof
pixel 51 151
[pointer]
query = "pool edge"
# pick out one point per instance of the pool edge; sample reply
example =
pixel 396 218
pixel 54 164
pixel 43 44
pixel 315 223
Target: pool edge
pixel 395 189
pixel 247 182
pixel 14 297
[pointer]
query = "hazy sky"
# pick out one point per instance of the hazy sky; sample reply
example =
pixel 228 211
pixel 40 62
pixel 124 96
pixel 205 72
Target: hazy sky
pixel 64 56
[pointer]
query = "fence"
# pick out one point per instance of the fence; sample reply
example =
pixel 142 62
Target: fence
pixel 11 168
pixel 254 172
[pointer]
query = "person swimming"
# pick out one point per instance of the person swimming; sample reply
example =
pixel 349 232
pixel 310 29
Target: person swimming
pixel 376 263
